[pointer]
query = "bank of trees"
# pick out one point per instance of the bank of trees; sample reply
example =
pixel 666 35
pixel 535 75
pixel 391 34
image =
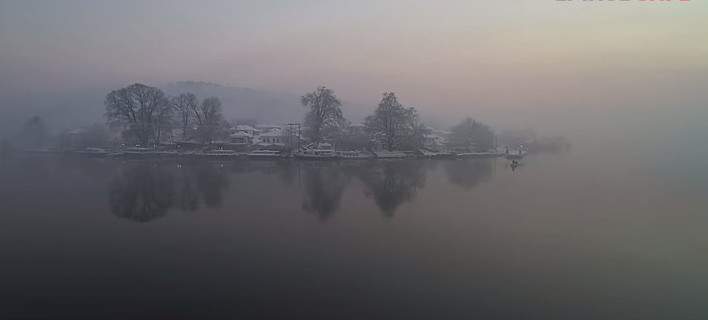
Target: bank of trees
pixel 146 113
pixel 392 126
pixel 471 135
pixel 324 118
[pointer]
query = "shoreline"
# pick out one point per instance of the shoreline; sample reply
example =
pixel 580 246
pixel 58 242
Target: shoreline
pixel 171 155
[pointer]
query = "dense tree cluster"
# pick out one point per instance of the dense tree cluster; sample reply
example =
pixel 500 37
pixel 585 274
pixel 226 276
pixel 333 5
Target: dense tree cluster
pixel 146 112
pixel 146 116
pixel 324 118
pixel 471 135
pixel 392 126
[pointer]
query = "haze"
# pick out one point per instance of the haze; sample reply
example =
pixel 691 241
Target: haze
pixel 467 159
pixel 551 65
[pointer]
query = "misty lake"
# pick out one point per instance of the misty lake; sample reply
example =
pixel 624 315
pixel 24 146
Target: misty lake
pixel 561 237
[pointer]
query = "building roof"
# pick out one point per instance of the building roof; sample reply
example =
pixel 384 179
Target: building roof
pixel 272 133
pixel 240 134
pixel 245 127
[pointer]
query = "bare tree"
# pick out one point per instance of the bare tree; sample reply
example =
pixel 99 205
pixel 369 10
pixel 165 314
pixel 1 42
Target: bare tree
pixel 325 115
pixel 209 118
pixel 142 109
pixel 393 125
pixel 471 135
pixel 185 104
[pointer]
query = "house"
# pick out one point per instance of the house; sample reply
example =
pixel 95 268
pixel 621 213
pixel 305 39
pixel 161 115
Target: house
pixel 435 139
pixel 244 128
pixel 272 137
pixel 241 138
pixel 268 127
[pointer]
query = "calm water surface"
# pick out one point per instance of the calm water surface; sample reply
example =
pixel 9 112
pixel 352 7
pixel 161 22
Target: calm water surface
pixel 562 237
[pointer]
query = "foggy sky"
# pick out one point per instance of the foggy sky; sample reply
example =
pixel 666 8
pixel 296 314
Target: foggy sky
pixel 514 62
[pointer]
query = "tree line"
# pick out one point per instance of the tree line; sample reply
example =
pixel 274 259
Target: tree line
pixel 392 126
pixel 145 114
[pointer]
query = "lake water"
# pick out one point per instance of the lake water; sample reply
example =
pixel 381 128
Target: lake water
pixel 561 237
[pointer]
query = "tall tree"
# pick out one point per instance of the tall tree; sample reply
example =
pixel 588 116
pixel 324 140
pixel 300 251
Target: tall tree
pixel 393 125
pixel 414 130
pixel 325 115
pixel 209 119
pixel 471 135
pixel 185 104
pixel 142 109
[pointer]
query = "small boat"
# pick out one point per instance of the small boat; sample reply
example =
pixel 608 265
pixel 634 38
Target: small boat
pixel 145 153
pixel 515 164
pixel 390 154
pixel 218 154
pixel 515 155
pixel 428 154
pixel 264 154
pixel 323 151
pixel 478 155
pixel 93 152
pixel 354 155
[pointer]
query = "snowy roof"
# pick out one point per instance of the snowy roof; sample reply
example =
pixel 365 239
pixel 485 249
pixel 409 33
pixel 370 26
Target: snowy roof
pixel 272 133
pixel 239 135
pixel 268 126
pixel 244 127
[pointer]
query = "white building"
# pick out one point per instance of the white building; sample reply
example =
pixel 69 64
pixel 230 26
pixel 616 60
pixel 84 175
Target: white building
pixel 241 138
pixel 249 130
pixel 272 137
pixel 435 139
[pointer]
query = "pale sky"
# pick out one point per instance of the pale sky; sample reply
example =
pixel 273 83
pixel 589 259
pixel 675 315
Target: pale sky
pixel 499 59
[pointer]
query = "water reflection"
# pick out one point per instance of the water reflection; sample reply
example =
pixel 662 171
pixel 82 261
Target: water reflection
pixel 392 183
pixel 143 192
pixel 211 182
pixel 468 174
pixel 323 186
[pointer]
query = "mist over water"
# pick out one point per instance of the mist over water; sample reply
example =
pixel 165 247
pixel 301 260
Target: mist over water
pixel 611 228
pixel 561 236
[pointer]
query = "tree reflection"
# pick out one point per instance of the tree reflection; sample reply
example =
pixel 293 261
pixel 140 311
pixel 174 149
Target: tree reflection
pixel 286 171
pixel 324 185
pixel 469 173
pixel 187 191
pixel 142 193
pixel 211 182
pixel 393 183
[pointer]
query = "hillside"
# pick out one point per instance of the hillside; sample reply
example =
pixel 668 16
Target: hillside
pixel 245 103
pixel 78 108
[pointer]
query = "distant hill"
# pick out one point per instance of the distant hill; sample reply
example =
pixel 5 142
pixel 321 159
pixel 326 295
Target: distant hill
pixel 59 110
pixel 78 108
pixel 244 103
